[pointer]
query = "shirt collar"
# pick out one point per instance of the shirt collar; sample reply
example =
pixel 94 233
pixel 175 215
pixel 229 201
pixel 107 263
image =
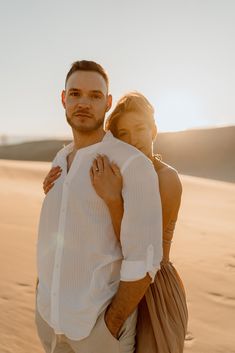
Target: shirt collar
pixel 107 137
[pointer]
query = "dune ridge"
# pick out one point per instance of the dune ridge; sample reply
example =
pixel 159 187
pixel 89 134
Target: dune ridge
pixel 207 153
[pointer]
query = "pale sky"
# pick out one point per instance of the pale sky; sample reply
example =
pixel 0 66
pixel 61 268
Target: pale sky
pixel 179 53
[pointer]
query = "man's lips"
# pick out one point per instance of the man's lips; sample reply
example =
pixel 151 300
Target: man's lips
pixel 83 115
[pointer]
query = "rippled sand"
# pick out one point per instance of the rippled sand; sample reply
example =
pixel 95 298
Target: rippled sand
pixel 203 252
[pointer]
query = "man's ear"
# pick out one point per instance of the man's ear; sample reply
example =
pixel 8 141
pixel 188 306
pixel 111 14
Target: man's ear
pixel 63 98
pixel 109 102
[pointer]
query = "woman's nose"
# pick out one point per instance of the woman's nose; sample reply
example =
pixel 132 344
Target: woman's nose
pixel 133 138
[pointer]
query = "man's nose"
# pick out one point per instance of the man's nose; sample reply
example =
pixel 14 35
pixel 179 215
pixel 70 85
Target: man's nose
pixel 83 102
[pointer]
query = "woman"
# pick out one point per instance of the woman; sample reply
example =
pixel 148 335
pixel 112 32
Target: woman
pixel 162 313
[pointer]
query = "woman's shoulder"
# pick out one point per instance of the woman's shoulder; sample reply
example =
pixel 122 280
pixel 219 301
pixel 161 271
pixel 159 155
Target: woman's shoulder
pixel 168 177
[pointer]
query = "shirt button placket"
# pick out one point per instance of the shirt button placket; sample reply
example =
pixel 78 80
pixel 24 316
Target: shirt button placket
pixel 58 255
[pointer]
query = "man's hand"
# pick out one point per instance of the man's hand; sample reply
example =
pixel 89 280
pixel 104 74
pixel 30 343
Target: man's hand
pixel 111 323
pixel 125 301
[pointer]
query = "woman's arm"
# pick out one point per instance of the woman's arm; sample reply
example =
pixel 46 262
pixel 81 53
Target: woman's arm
pixel 107 181
pixel 170 191
pixel 116 212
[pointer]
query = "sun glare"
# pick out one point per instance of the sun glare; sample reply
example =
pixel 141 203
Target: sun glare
pixel 179 111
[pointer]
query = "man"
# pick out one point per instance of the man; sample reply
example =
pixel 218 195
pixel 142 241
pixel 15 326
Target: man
pixel 89 283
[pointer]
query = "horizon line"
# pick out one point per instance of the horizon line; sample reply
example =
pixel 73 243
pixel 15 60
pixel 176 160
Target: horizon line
pixel 5 138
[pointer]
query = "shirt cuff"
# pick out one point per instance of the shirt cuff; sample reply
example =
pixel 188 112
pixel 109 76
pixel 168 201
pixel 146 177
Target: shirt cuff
pixel 135 270
pixel 153 272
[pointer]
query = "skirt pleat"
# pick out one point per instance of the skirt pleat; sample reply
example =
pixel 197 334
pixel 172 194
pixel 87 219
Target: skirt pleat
pixel 163 314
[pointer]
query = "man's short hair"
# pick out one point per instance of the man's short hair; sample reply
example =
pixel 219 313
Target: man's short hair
pixel 85 65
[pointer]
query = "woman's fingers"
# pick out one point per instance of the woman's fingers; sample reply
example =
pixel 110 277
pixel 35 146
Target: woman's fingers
pixel 100 163
pixel 115 169
pixel 111 166
pixel 52 172
pixel 54 169
pixel 94 167
pixel 106 183
pixel 48 188
pixel 52 178
pixel 105 161
pixel 91 175
pixel 107 165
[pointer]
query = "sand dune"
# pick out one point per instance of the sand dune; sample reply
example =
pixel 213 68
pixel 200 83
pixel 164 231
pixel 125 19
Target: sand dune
pixel 203 252
pixel 207 153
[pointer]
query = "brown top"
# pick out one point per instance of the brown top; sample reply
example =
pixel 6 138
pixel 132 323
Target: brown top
pixel 170 190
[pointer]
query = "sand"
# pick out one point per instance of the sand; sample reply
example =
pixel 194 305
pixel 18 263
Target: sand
pixel 203 252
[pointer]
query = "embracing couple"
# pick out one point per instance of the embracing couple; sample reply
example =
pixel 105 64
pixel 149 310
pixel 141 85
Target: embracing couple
pixel 105 281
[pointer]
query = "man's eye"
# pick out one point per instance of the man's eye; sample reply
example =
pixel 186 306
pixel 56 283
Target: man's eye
pixel 74 94
pixel 96 96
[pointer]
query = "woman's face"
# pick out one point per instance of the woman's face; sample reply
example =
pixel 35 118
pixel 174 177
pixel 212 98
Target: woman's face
pixel 131 128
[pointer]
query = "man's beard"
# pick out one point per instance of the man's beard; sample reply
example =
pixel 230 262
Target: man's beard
pixel 96 126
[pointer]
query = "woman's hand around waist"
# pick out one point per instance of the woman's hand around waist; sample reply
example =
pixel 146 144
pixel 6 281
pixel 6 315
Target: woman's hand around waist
pixel 106 179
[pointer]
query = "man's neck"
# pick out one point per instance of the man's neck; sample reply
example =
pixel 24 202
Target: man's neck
pixel 85 139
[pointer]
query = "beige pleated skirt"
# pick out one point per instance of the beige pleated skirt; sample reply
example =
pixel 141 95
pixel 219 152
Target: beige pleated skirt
pixel 162 314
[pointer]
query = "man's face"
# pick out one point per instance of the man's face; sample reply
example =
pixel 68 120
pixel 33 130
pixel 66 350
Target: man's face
pixel 86 100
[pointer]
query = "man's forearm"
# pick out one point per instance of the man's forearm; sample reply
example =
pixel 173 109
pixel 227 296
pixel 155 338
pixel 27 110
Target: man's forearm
pixel 124 302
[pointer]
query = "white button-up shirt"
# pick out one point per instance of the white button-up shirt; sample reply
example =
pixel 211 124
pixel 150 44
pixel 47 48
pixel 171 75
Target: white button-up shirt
pixel 80 261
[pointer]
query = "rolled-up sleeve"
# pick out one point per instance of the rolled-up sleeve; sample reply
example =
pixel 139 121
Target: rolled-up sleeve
pixel 141 228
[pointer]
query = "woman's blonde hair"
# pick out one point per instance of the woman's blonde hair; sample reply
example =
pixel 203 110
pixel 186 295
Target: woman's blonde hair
pixel 132 102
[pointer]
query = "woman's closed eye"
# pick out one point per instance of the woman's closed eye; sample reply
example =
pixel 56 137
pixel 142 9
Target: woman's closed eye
pixel 141 128
pixel 122 133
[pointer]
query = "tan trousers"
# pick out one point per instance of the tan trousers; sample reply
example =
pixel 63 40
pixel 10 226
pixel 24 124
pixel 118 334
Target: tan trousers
pixel 100 339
